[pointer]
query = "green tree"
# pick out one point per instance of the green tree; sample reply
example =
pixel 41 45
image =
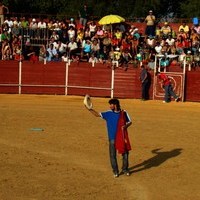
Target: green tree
pixel 190 9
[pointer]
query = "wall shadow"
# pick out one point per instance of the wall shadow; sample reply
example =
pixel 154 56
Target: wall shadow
pixel 159 158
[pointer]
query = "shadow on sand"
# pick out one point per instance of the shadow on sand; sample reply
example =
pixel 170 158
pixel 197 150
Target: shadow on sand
pixel 156 160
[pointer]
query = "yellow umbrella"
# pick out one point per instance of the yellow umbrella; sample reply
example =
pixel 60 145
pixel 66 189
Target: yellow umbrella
pixel 111 19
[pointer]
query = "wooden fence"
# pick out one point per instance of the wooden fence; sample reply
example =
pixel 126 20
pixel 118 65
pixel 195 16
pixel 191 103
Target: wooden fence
pixel 81 78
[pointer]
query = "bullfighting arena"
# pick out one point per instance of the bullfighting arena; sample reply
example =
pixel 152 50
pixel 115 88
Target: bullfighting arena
pixel 52 148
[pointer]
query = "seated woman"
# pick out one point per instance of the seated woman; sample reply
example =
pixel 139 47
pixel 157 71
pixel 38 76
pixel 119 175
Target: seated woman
pixel 86 49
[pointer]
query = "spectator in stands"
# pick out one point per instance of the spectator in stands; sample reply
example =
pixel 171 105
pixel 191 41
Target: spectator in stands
pixel 2 9
pixel 172 49
pixel 150 22
pixel 9 23
pixel 56 58
pixel 93 28
pixel 33 57
pixel 166 30
pixel 42 29
pixel 86 49
pixel 125 58
pixel 16 43
pixel 134 46
pixel 151 42
pixel 106 41
pixel 65 58
pixel 121 27
pixel 104 53
pixel 184 27
pixel 132 30
pixel 6 50
pixel 24 23
pixel 5 36
pixel 18 56
pixel 125 44
pixel 61 48
pixel 55 36
pixel 165 49
pixel 50 26
pixel 182 34
pixel 33 28
pixel 158 32
pixel 72 49
pixel 136 34
pixel 93 59
pixel 196 27
pixel 84 14
pixel 72 23
pixel 194 34
pixel 15 21
pixel 118 34
pixel 57 26
pixel 15 31
pixel 51 52
pixel 115 57
pixel 42 53
pixel 71 33
pixel 158 48
pixel 80 36
pixel 99 33
pixel 170 40
pixel 180 44
pixel 195 46
pixel 87 32
pixel 95 48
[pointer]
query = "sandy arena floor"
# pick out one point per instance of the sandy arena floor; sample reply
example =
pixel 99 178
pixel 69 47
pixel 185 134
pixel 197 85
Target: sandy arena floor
pixel 68 159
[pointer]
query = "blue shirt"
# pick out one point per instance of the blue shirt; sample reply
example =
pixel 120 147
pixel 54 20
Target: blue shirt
pixel 112 118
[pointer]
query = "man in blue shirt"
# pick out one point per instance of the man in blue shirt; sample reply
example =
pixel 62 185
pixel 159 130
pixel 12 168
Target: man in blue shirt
pixel 112 118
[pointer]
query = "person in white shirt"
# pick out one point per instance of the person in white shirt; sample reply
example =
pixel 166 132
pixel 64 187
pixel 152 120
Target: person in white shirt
pixel 61 48
pixel 42 29
pixel 33 28
pixel 158 48
pixel 72 48
pixel 51 52
pixel 170 40
pixel 71 33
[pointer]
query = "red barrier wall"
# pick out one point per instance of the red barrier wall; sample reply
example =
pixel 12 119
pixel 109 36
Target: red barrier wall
pixel 38 78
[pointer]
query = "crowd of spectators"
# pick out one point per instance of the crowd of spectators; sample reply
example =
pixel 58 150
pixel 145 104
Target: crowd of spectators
pixel 64 40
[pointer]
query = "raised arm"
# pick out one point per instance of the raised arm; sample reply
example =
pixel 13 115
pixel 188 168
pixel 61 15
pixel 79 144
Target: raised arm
pixel 94 112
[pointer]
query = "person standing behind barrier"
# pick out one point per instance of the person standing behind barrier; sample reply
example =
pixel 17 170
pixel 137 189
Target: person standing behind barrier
pixel 2 9
pixel 167 86
pixel 145 83
pixel 150 21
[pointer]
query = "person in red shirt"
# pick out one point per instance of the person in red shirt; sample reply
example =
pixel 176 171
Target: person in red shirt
pixel 167 86
pixel 33 57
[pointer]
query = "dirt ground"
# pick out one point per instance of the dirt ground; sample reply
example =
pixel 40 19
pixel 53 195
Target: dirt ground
pixel 52 148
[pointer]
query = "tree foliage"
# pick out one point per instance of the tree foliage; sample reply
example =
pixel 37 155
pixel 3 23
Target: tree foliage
pixel 129 8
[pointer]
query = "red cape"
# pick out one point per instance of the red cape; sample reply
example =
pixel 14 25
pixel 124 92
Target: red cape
pixel 122 143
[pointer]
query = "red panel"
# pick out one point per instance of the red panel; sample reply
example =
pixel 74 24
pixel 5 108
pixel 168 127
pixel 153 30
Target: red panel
pixel 82 76
pixel 192 86
pixel 9 72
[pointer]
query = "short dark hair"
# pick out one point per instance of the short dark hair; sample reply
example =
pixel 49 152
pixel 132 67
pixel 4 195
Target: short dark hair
pixel 115 102
pixel 157 72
